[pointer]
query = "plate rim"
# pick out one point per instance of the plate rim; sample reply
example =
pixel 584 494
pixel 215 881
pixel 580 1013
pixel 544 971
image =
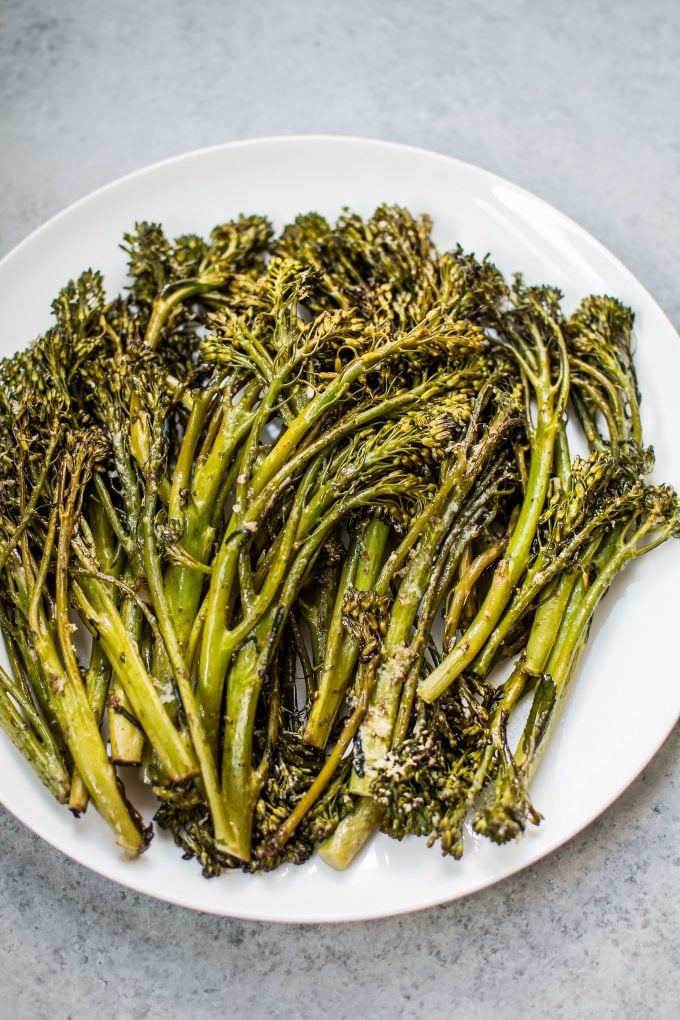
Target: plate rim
pixel 538 853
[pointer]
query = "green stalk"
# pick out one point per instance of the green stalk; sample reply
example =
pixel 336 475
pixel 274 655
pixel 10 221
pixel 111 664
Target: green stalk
pixel 551 400
pixel 317 611
pixel 528 671
pixel 98 675
pixel 241 780
pixel 122 651
pixel 204 754
pixel 271 492
pixel 375 737
pixel 615 553
pixel 548 617
pixel 277 468
pixel 555 596
pixel 163 307
pixel 69 495
pixel 324 401
pixel 440 582
pixel 504 816
pixel 74 715
pixel 360 571
pixel 466 585
pixel 506 575
pixel 32 737
pixel 97 680
pixel 548 571
pixel 126 734
pixel 27 668
pixel 341 848
pixel 183 585
pixel 218 643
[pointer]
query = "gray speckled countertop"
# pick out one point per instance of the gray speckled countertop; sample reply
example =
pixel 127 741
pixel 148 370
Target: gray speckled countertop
pixel 576 102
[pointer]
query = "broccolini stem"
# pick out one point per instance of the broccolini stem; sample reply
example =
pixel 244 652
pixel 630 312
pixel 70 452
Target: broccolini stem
pixel 466 584
pixel 345 843
pixel 398 655
pixel 164 306
pixel 328 770
pixel 30 734
pixel 101 613
pixel 360 572
pixel 181 478
pixel 547 619
pixel 214 472
pixel 26 667
pixel 125 732
pixel 183 585
pixel 340 849
pixel 317 611
pixel 545 656
pixel 619 548
pixel 544 571
pixel 512 565
pixel 241 781
pixel 219 643
pixel 443 570
pixel 97 680
pixel 555 597
pixel 323 444
pixel 74 715
pixel 98 675
pixel 323 401
pixel 507 814
pixel 204 754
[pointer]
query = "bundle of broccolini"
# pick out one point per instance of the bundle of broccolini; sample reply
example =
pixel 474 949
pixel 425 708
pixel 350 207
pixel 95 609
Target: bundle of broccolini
pixel 270 523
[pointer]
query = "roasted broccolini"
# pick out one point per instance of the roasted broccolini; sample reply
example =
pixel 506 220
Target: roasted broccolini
pixel 272 519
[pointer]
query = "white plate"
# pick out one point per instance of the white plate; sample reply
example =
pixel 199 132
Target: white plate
pixel 626 696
